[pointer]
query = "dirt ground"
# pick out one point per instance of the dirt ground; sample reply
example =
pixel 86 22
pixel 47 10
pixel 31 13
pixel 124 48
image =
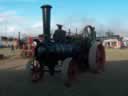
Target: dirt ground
pixel 15 81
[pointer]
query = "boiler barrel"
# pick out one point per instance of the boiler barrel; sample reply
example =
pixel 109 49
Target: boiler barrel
pixel 46 12
pixel 64 50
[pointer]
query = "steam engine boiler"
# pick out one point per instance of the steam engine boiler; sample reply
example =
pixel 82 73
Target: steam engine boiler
pixel 86 52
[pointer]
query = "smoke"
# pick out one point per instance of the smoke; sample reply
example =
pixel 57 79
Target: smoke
pixel 116 25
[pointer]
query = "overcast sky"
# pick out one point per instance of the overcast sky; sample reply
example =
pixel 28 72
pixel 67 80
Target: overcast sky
pixel 26 16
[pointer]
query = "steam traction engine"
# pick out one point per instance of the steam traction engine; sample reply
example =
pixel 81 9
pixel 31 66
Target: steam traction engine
pixel 85 53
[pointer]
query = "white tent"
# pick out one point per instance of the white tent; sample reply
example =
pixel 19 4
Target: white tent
pixel 112 43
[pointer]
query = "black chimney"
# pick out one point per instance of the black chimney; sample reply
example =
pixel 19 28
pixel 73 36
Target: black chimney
pixel 46 13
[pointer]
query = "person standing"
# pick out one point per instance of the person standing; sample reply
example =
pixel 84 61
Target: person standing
pixel 59 34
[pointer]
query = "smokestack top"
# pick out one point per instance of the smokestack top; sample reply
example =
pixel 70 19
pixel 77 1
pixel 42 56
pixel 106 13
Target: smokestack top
pixel 46 6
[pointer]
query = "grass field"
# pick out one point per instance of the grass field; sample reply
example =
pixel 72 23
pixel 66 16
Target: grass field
pixel 14 80
pixel 7 52
pixel 117 54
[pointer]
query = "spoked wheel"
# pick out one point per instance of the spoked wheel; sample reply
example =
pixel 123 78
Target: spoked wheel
pixel 69 71
pixel 36 72
pixel 97 58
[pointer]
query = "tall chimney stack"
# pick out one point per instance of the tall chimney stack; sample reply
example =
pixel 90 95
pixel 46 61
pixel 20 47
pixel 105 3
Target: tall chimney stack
pixel 46 13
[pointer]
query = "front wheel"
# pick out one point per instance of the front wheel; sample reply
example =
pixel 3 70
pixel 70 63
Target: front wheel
pixel 70 70
pixel 97 58
pixel 35 71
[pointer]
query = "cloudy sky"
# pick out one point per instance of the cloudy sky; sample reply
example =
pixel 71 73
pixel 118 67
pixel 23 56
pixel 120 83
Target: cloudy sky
pixel 25 16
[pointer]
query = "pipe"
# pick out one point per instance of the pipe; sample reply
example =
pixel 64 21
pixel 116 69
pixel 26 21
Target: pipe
pixel 46 13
